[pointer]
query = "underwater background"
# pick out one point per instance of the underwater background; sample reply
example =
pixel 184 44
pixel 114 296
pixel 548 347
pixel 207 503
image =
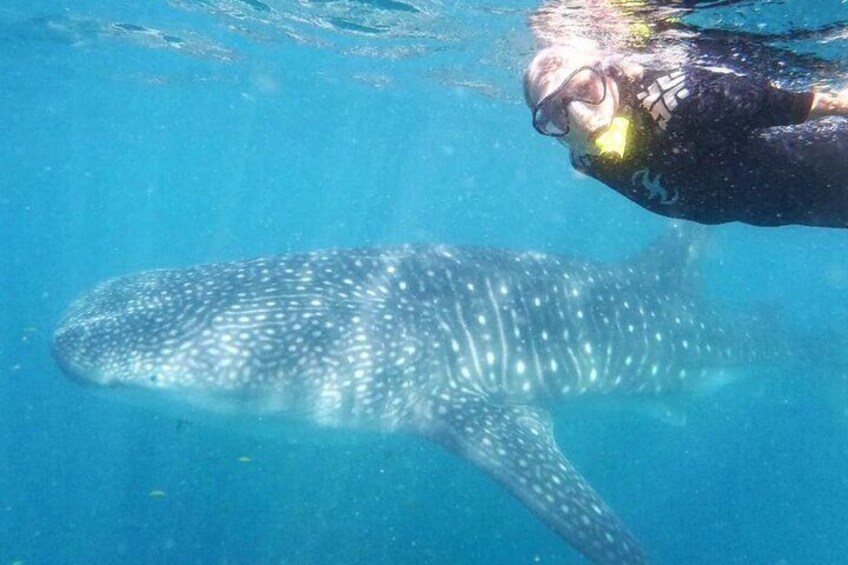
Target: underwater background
pixel 170 133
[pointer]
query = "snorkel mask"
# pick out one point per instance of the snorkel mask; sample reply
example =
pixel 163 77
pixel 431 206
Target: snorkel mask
pixel 585 85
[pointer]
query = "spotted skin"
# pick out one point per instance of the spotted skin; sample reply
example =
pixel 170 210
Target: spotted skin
pixel 460 345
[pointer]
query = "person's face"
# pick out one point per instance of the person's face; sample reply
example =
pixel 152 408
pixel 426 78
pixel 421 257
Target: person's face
pixel 582 106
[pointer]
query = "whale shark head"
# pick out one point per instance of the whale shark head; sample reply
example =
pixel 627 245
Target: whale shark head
pixel 213 328
pixel 129 331
pixel 102 339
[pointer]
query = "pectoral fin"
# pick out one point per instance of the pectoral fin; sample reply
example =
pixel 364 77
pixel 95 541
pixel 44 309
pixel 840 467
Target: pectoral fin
pixel 515 444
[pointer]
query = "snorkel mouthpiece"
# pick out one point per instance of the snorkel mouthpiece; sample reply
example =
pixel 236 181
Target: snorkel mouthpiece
pixel 614 139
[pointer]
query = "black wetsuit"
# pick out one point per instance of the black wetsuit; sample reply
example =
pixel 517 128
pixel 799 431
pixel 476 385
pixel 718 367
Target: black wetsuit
pixel 717 147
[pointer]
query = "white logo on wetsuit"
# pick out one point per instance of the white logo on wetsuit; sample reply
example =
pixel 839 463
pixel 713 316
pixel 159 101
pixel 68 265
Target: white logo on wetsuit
pixel 662 96
pixel 653 186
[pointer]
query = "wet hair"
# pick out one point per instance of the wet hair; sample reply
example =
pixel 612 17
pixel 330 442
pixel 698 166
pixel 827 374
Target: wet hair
pixel 552 64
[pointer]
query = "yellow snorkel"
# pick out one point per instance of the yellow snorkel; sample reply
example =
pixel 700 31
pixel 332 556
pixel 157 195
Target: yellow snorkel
pixel 614 139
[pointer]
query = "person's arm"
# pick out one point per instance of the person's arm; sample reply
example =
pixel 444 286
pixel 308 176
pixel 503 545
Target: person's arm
pixel 829 104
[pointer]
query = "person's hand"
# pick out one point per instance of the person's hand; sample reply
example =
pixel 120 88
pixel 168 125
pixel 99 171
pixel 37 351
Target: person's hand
pixel 829 103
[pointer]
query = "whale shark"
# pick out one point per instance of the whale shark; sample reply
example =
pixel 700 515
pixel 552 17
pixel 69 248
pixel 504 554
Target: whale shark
pixel 468 347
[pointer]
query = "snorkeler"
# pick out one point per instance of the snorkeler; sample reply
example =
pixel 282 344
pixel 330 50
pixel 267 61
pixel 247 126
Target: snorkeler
pixel 707 144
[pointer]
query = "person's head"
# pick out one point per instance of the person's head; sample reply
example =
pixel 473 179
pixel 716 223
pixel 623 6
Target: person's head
pixel 570 94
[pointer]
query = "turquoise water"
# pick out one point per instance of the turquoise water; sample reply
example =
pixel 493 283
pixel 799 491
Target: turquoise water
pixel 184 132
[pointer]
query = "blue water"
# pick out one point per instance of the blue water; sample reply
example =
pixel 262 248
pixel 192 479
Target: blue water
pixel 222 137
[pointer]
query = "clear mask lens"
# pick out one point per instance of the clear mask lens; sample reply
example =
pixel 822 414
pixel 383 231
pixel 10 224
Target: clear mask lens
pixel 587 85
pixel 551 119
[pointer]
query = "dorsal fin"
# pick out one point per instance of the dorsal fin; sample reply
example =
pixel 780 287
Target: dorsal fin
pixel 672 255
